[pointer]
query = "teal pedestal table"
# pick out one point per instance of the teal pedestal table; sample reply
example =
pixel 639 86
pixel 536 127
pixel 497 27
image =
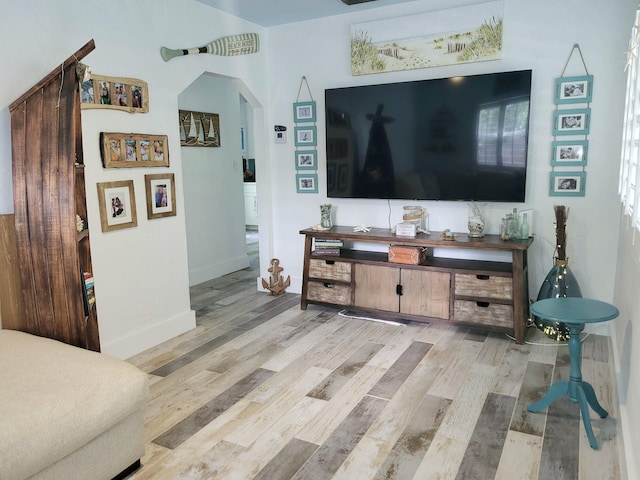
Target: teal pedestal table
pixel 575 312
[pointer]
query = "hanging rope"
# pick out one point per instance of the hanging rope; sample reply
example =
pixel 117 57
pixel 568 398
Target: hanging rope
pixel 575 47
pixel 304 81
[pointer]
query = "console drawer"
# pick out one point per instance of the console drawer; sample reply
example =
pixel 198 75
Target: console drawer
pixel 484 286
pixel 330 270
pixel 327 292
pixel 483 313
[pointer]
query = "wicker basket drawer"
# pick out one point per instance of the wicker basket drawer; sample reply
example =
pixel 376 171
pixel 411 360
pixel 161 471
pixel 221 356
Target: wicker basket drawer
pixel 330 270
pixel 328 292
pixel 484 286
pixel 484 313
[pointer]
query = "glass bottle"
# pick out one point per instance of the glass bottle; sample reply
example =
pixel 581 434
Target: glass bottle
pixel 524 227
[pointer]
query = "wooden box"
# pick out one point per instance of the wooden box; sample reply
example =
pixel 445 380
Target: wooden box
pixel 409 255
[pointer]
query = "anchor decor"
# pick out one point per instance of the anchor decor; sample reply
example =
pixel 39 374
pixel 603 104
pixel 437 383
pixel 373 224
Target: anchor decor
pixel 277 284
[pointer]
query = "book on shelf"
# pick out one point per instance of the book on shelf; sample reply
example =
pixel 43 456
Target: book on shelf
pixel 88 294
pixel 327 243
pixel 326 251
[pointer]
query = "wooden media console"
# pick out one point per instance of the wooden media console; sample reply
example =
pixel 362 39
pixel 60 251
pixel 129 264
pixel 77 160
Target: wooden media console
pixel 485 294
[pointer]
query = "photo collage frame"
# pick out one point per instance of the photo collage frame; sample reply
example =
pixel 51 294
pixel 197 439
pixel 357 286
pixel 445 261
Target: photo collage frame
pixel 305 136
pixel 305 140
pixel 571 123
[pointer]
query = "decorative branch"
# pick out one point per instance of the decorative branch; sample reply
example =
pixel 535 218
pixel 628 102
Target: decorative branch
pixel 561 235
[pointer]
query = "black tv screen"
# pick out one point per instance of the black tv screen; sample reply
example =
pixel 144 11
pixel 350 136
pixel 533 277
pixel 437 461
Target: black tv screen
pixel 458 138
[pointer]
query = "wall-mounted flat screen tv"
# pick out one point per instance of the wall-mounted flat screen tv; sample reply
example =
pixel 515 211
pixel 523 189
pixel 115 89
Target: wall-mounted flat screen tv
pixel 458 138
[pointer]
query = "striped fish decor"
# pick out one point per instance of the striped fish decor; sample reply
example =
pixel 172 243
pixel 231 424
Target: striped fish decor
pixel 232 45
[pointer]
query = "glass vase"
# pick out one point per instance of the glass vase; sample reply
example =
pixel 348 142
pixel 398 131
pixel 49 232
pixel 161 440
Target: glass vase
pixel 325 216
pixel 559 282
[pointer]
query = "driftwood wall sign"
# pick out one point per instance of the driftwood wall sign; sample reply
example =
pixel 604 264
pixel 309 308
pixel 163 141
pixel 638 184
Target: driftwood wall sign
pixel 127 94
pixel 199 129
pixel 126 150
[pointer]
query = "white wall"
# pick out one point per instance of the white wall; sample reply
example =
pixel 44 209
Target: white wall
pixel 537 35
pixel 213 184
pixel 626 339
pixel 141 274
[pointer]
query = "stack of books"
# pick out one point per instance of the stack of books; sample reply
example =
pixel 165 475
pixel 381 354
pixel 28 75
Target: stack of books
pixel 88 285
pixel 327 246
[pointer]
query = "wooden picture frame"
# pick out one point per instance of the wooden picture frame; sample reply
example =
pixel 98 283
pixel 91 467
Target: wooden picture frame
pixel 306 160
pixel 201 129
pixel 567 184
pixel 574 89
pixel 571 121
pixel 569 153
pixel 117 203
pixel 304 112
pixel 305 136
pixel 306 183
pixel 127 150
pixel 161 195
pixel 116 93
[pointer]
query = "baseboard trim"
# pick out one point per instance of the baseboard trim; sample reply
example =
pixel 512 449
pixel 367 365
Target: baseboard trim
pixel 150 336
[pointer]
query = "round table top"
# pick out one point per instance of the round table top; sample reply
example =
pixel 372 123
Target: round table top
pixel 574 310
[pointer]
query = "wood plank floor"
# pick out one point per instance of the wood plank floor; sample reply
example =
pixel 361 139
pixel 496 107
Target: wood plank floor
pixel 263 390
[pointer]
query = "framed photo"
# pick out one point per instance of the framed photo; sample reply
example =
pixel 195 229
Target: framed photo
pixel 304 112
pixel 126 150
pixel 305 136
pixel 202 129
pixel 117 205
pixel 306 160
pixel 161 195
pixel 307 183
pixel 128 94
pixel 567 184
pixel 571 121
pixel 574 89
pixel 569 153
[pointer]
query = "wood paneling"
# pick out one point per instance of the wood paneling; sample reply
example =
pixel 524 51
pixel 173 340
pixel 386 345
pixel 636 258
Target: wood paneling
pixel 46 146
pixel 11 305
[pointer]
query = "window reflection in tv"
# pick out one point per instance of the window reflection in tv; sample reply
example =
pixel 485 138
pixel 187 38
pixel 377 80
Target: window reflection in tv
pixel 459 138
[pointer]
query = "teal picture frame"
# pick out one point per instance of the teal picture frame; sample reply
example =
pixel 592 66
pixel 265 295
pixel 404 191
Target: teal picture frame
pixel 306 159
pixel 304 112
pixel 567 184
pixel 306 183
pixel 574 89
pixel 569 153
pixel 305 136
pixel 571 121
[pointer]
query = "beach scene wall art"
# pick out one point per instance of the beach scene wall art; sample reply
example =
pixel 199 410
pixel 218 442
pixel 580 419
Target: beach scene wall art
pixel 444 37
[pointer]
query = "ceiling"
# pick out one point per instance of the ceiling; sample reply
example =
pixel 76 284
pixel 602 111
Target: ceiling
pixel 269 13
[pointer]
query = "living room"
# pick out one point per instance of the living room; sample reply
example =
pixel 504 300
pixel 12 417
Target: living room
pixel 142 274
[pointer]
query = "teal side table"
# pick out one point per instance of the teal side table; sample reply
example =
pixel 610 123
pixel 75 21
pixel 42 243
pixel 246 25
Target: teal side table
pixel 575 312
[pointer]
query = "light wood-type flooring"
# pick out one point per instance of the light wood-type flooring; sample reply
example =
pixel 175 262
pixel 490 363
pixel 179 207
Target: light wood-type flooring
pixel 263 390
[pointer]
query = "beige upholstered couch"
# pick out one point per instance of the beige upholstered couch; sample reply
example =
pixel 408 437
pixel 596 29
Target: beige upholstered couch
pixel 67 413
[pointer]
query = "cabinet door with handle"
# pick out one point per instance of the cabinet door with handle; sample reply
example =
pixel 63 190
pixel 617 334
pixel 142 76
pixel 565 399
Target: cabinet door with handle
pixel 425 293
pixel 376 287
